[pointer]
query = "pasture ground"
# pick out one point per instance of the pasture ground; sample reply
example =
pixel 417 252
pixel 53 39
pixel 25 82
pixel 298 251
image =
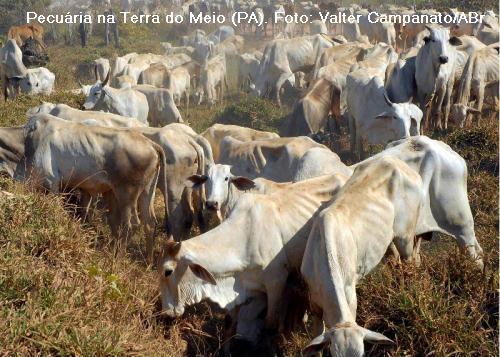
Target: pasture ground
pixel 63 293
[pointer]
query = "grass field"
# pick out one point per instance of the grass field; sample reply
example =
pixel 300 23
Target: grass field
pixel 63 293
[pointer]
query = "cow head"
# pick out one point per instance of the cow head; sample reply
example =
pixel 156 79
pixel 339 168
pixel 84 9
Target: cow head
pixel 460 112
pixel 346 340
pixel 30 84
pixel 217 183
pixel 44 108
pixel 400 120
pixel 96 94
pixel 440 45
pixel 181 279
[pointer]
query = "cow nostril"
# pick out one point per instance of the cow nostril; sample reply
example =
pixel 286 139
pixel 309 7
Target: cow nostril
pixel 443 59
pixel 212 204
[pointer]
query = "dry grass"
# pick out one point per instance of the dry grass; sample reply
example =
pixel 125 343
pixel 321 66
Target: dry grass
pixel 63 293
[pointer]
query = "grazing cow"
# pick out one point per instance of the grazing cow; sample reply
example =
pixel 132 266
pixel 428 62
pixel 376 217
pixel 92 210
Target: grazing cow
pixel 310 113
pixel 123 166
pixel 252 252
pixel 283 58
pixel 435 74
pixel 379 204
pixel 126 101
pixel 446 207
pixel 101 68
pixel 479 80
pixel 373 116
pixel 162 108
pixel 12 68
pixel 66 112
pixel 274 159
pixel 213 80
pixel 186 154
pixel 21 33
pixel 38 81
pixel 217 132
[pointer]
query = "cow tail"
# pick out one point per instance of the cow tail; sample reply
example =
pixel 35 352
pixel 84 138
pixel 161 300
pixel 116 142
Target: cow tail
pixel 162 184
pixel 465 81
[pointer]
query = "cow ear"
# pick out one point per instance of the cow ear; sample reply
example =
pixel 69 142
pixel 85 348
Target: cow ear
pixel 202 273
pixel 455 41
pixel 173 247
pixel 242 183
pixel 376 338
pixel 198 180
pixel 317 344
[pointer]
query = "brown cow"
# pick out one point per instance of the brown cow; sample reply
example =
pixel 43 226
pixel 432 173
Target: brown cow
pixel 23 32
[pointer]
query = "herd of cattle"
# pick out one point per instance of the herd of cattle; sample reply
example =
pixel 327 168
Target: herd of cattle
pixel 281 205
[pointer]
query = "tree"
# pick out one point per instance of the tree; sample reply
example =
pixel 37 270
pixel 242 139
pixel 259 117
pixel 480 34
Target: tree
pixel 13 12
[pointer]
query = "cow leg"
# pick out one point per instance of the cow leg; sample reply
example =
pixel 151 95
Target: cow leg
pixel 439 107
pixel 274 290
pixel 352 135
pixel 147 215
pixel 467 241
pixel 447 106
pixel 480 100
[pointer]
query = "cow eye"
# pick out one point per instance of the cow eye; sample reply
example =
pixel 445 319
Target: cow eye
pixel 226 179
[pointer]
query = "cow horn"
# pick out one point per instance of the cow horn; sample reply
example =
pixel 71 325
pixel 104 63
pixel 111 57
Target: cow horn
pixel 79 83
pixel 106 79
pixel 387 100
pixel 95 73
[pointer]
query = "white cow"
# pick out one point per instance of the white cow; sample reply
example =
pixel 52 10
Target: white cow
pixel 66 112
pixel 162 108
pixel 434 74
pixel 446 207
pixel 126 101
pixel 101 68
pixel 479 80
pixel 12 68
pixel 373 116
pixel 378 204
pixel 250 253
pixel 318 162
pixel 213 80
pixel 178 82
pixel 217 132
pixel 274 159
pixel 283 58
pixel 38 81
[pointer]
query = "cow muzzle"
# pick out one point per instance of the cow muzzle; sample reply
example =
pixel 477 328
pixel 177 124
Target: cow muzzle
pixel 443 59
pixel 212 205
